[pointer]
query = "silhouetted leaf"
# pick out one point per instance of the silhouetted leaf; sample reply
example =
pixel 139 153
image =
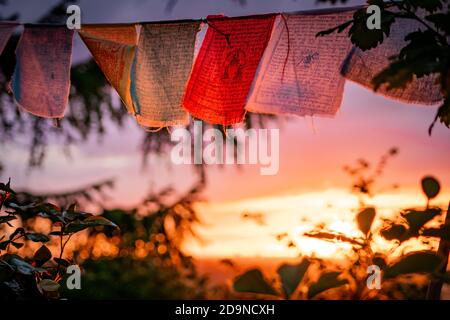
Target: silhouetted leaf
pixel 291 275
pixel 42 255
pixel 430 187
pixel 37 237
pixel 394 232
pixel 4 244
pixel 417 219
pixel 63 262
pixel 21 265
pixel 6 187
pixel 6 219
pixel 93 221
pixel 416 262
pixel 17 245
pixel 443 232
pixel 333 237
pixel 328 280
pixel 16 232
pixel 379 261
pixel 365 219
pixel 364 38
pixel 443 276
pixel 253 281
pixel 429 5
pixel 440 20
pixel 337 29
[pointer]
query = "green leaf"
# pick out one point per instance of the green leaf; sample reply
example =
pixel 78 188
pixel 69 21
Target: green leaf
pixel 416 262
pixel 253 281
pixel 42 255
pixel 291 275
pixel 37 237
pixel 365 219
pixel 73 227
pixel 93 221
pixel 22 266
pixel 430 187
pixel 70 214
pixel 328 280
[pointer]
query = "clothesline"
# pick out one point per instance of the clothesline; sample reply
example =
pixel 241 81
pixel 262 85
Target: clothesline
pixel 204 20
pixel 163 71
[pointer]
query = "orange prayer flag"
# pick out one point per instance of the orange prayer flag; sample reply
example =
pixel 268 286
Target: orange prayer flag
pixel 113 47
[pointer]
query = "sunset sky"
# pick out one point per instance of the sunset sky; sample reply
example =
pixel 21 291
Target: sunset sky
pixel 310 187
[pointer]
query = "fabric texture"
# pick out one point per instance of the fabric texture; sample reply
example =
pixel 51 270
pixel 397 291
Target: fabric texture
pixel 362 66
pixel 300 73
pixel 225 67
pixel 6 29
pixel 41 79
pixel 160 72
pixel 113 49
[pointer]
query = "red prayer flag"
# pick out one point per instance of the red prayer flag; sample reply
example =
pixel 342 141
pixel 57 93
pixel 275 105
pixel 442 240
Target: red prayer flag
pixel 225 67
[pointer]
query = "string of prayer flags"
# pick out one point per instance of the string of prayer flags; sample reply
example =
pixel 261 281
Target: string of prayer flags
pixel 113 48
pixel 300 73
pixel 41 79
pixel 6 29
pixel 362 66
pixel 160 72
pixel 225 67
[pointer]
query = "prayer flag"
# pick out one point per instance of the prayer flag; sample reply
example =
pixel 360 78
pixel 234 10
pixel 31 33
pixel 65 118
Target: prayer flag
pixel 41 79
pixel 300 73
pixel 225 67
pixel 113 47
pixel 160 72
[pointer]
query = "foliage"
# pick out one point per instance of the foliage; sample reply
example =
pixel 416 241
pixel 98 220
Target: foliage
pixel 37 276
pixel 427 51
pixel 352 279
pixel 145 260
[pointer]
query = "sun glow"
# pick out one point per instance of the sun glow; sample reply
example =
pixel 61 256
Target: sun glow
pixel 293 216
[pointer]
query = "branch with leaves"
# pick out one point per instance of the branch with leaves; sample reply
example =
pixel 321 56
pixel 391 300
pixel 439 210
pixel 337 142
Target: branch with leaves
pixel 427 51
pixel 39 276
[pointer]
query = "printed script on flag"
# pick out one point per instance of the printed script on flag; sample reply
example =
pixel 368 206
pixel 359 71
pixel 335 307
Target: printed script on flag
pixel 41 79
pixel 300 73
pixel 161 69
pixel 112 47
pixel 362 66
pixel 225 67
